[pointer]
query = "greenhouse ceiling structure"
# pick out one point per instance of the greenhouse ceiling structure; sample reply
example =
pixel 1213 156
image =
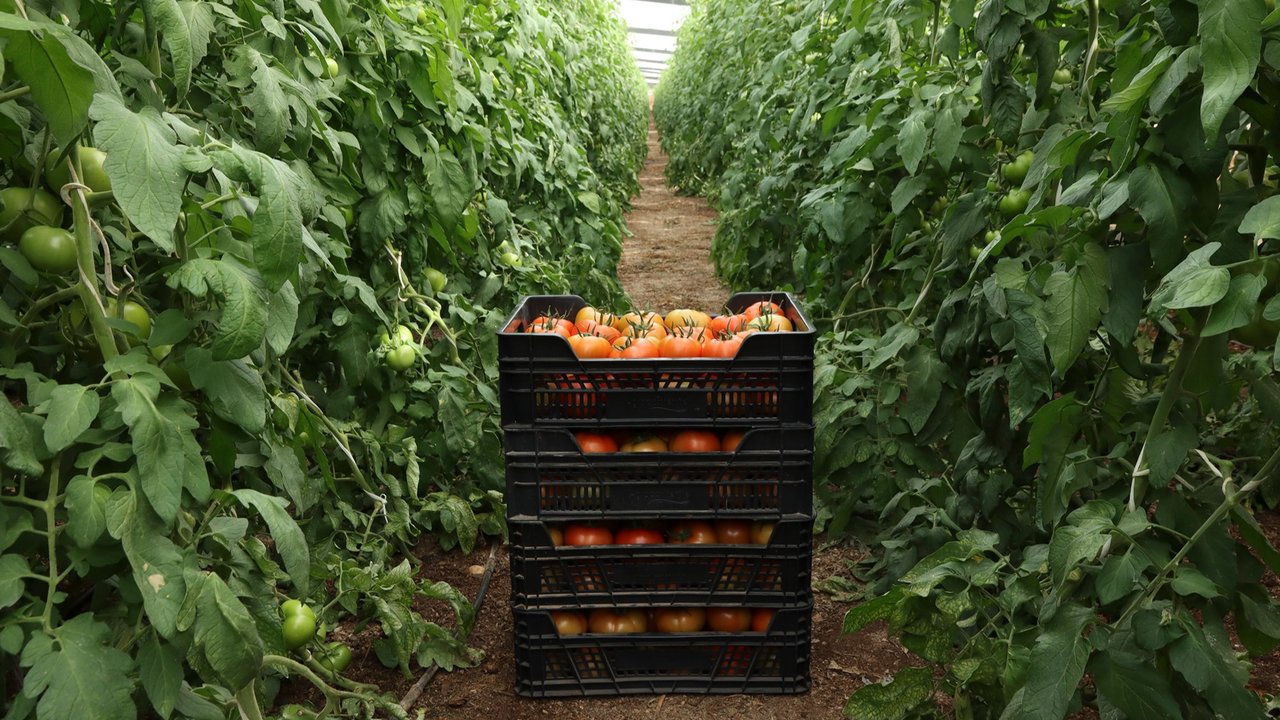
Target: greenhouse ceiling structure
pixel 652 26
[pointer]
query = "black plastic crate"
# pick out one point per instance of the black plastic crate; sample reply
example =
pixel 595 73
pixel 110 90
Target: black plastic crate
pixel 775 662
pixel 542 381
pixel 768 476
pixel 670 575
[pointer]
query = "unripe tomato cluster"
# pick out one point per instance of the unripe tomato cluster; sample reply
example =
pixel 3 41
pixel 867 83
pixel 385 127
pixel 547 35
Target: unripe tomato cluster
pixel 398 348
pixel 596 335
pixel 32 217
pixel 299 630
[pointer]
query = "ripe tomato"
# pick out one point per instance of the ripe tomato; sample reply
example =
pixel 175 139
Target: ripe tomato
pixel 733 532
pixel 695 441
pixel 549 324
pixel 49 249
pixel 692 532
pixel 645 443
pixel 729 619
pixel 680 347
pixel 23 208
pixel 596 442
pixel 761 532
pixel 761 619
pixel 771 323
pixel 634 348
pixel 736 323
pixel 578 535
pixel 569 623
pixel 687 318
pixel 726 347
pixel 682 620
pixel 761 308
pixel 625 622
pixel 556 535
pixel 731 440
pixel 590 347
pixel 591 327
pixel 629 323
pixel 638 536
pixel 594 315
pixel 717 325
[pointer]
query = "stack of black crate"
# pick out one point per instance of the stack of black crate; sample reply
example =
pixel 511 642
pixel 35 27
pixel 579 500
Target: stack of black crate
pixel 547 395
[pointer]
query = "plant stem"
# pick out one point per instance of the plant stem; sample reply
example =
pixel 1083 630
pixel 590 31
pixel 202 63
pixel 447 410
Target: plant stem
pixel 15 93
pixel 51 519
pixel 1172 389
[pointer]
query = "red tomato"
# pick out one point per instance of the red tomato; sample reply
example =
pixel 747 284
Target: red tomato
pixel 692 532
pixel 696 441
pixel 638 536
pixel 550 324
pixel 645 443
pixel 683 620
pixel 587 535
pixel 717 347
pixel 761 618
pixel 718 325
pixel 761 308
pixel 594 315
pixel 733 532
pixel 736 323
pixel 590 347
pixel 729 619
pixel 761 532
pixel 608 622
pixel 591 327
pixel 731 440
pixel 632 348
pixel 680 347
pixel 569 623
pixel 596 442
pixel 557 536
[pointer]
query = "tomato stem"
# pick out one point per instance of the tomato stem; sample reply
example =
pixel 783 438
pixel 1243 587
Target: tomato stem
pixel 51 519
pixel 15 93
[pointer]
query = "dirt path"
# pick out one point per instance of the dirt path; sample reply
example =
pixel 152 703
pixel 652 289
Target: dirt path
pixel 667 264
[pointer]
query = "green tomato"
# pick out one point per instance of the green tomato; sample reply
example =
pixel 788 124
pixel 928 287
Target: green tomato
pixel 926 227
pixel 16 217
pixel 974 252
pixel 133 313
pixel 400 335
pixel 939 205
pixel 422 15
pixel 1014 202
pixel 437 279
pixel 56 174
pixel 992 185
pixel 1062 76
pixel 298 630
pixel 291 607
pixel 510 259
pixel 348 215
pixel 990 236
pixel 1016 171
pixel 334 657
pixel 331 68
pixel 49 249
pixel 400 358
pixel 304 438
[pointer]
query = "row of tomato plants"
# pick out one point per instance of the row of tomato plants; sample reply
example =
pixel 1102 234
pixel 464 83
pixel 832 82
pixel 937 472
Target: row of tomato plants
pixel 246 354
pixel 1041 241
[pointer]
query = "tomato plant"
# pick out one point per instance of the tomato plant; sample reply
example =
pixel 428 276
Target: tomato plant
pixel 1027 233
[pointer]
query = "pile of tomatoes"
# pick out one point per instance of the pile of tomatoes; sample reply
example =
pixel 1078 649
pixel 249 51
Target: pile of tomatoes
pixel 682 441
pixel 680 532
pixel 597 335
pixel 667 620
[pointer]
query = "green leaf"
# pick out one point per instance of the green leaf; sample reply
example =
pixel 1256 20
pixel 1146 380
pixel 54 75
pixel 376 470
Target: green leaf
pixel 225 647
pixel 288 537
pixel 158 443
pixel 158 569
pixel 1194 282
pixel 12 584
pixel 171 25
pixel 1230 47
pixel 1119 575
pixel 1263 220
pixel 1140 86
pixel 144 163
pixel 1189 581
pixel 1057 665
pixel 1159 196
pixel 86 519
pixel 286 473
pixel 18 442
pixel 277 221
pixel 1073 306
pixel 878 608
pixel 1136 689
pixel 282 314
pixel 1237 307
pixel 909 689
pixel 69 411
pixel 449 186
pixel 60 86
pixel 912 138
pixel 243 322
pixel 925 373
pixel 77 673
pixel 235 390
pixel 160 670
pixel 464 612
pixel 1210 666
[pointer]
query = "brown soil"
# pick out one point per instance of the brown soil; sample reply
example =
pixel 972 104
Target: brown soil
pixel 667 263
